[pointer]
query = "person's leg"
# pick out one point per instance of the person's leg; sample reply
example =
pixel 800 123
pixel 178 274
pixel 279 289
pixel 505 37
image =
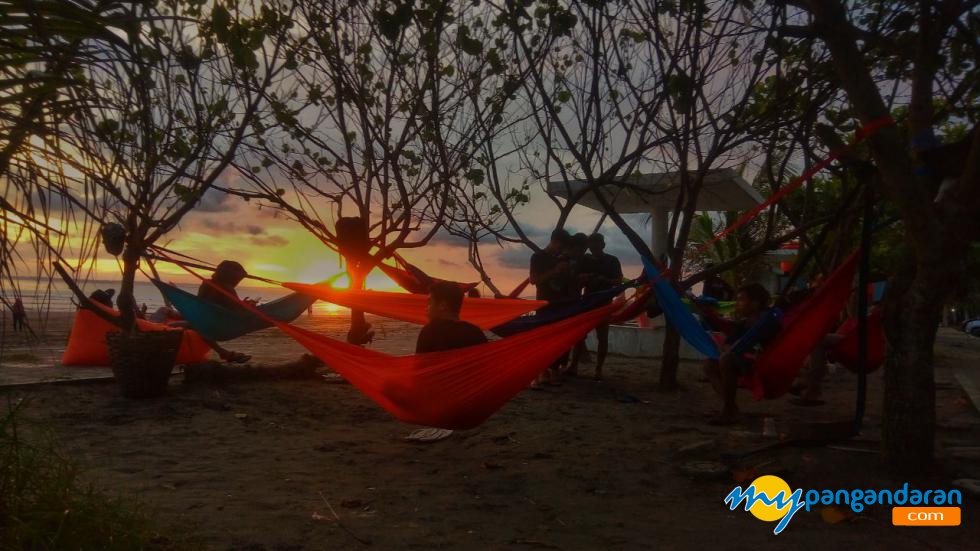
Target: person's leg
pixel 360 330
pixel 554 374
pixel 602 347
pixel 228 355
pixel 816 369
pixel 577 354
pixel 727 381
pixel 713 372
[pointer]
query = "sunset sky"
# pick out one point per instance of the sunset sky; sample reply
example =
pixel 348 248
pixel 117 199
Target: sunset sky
pixel 271 246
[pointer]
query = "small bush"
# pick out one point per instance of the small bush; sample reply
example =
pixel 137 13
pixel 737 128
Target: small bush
pixel 45 505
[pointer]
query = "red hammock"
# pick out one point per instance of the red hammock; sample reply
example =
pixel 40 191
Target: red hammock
pixel 635 306
pixel 414 280
pixel 846 351
pixel 86 342
pixel 779 363
pixel 456 389
pixel 482 312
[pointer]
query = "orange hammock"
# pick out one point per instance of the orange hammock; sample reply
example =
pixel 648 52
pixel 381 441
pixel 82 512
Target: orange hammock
pixel 455 389
pixel 482 312
pixel 779 363
pixel 86 343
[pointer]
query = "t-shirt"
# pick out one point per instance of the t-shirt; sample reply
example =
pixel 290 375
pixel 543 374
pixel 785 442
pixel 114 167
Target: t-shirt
pixel 759 332
pixel 445 334
pixel 607 267
pixel 556 287
pixel 207 292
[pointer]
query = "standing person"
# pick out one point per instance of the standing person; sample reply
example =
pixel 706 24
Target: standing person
pixel 582 267
pixel 607 272
pixel 19 314
pixel 445 331
pixel 550 274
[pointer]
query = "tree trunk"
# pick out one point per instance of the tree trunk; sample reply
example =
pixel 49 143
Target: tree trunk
pixel 126 302
pixel 670 358
pixel 912 312
pixel 358 322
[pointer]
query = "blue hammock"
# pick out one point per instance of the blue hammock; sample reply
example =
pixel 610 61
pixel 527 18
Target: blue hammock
pixel 678 314
pixel 218 323
pixel 559 310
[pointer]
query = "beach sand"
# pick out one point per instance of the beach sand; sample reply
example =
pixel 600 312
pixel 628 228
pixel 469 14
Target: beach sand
pixel 313 465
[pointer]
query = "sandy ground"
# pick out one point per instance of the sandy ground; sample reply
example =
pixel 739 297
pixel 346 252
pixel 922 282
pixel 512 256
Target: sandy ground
pixel 314 465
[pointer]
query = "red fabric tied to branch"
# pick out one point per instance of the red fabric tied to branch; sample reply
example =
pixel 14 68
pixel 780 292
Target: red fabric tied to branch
pixel 86 343
pixel 634 306
pixel 482 312
pixel 455 389
pixel 417 284
pixel 780 362
pixel 519 289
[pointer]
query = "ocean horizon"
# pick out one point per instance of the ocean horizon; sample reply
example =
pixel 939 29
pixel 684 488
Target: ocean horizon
pixel 57 297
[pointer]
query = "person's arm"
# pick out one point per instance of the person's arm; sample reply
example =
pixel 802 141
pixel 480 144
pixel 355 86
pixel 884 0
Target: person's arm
pixel 610 273
pixel 538 277
pixel 617 272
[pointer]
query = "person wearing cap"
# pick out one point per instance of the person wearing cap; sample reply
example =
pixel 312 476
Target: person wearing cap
pixel 220 290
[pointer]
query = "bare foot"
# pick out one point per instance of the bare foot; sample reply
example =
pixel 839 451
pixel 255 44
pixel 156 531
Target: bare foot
pixel 235 357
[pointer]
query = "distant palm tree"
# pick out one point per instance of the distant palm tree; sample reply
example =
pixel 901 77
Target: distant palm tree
pixel 705 226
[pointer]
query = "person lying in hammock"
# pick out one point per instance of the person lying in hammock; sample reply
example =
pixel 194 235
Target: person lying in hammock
pixel 755 325
pixel 445 331
pixel 227 275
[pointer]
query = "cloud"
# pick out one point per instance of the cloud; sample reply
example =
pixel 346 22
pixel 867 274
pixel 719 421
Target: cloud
pixel 270 241
pixel 230 227
pixel 216 201
pixel 514 257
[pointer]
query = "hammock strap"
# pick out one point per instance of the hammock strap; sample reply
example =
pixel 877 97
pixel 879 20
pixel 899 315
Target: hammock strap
pixel 859 136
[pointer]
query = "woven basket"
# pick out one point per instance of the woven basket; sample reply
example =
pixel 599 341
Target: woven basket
pixel 142 361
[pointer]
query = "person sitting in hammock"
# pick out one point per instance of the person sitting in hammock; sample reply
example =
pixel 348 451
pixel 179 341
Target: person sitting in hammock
pixel 220 289
pixel 756 324
pixel 445 331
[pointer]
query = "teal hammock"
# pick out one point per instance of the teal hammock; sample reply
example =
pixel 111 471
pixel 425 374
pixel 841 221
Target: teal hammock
pixel 217 323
